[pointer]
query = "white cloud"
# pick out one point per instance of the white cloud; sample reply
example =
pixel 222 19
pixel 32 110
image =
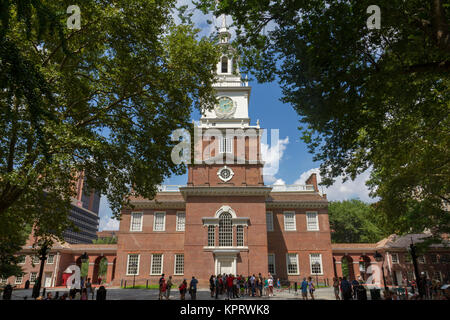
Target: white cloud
pixel 340 190
pixel 111 224
pixel 272 156
pixel 105 214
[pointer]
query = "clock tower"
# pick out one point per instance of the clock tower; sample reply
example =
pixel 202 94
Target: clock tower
pixel 225 194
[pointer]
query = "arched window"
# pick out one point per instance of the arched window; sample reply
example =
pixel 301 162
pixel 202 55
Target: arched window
pixel 224 65
pixel 225 230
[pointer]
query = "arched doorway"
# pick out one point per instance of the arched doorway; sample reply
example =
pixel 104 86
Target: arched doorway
pixel 347 267
pixel 364 264
pixel 100 270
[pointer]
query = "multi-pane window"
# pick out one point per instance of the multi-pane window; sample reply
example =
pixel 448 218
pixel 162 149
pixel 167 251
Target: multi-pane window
pixel 159 221
pixel 394 257
pixel 292 263
pixel 211 236
pixel 226 145
pixel 240 236
pixel 312 221
pixel 434 258
pixel 3 280
pixel 35 260
pixel 21 259
pixel 225 230
pixel 271 268
pixel 289 221
pixel 444 258
pixel 224 64
pixel 410 275
pixel 33 277
pixel 136 221
pixel 157 264
pixel 50 259
pixel 269 221
pixel 421 259
pixel 179 264
pixel 133 264
pixel 19 279
pixel 316 263
pixel 181 220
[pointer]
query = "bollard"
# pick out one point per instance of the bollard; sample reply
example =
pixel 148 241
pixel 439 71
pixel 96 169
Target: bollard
pixel 125 285
pixel 295 287
pixel 121 283
pixel 146 285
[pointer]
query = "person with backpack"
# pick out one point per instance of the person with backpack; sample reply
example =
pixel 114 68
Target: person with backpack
pixel 182 288
pixel 346 288
pixel 193 288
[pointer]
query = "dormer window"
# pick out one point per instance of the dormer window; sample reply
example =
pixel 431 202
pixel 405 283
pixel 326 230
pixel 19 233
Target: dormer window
pixel 224 65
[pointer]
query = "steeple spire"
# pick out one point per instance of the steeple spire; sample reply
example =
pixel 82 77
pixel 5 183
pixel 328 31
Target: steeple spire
pixel 224 34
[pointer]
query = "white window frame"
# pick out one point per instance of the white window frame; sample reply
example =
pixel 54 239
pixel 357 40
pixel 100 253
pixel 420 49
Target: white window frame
pixel 237 237
pixel 175 264
pixel 179 228
pixel 18 278
pixel 420 258
pixel 274 264
pixel 226 144
pixel 287 264
pixel 31 281
pixel 213 227
pixel 53 258
pixel 138 264
pixel 269 225
pixel 316 218
pixel 152 272
pixel 295 221
pixel 164 221
pixel 140 222
pixel 321 264
pixel 434 258
pixel 33 258
pixel 396 260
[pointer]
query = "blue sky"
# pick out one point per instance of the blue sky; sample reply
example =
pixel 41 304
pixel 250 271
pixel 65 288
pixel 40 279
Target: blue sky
pixel 295 162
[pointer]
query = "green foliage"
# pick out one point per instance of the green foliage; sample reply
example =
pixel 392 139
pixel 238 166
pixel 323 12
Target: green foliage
pixel 375 99
pixel 84 270
pixel 103 99
pixel 353 221
pixel 103 268
pixel 345 267
pixel 105 240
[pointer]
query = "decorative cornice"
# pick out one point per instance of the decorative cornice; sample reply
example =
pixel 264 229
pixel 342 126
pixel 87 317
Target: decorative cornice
pixel 297 204
pixel 225 191
pixel 151 204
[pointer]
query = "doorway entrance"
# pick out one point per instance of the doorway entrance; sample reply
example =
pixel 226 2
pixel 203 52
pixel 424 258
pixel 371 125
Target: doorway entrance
pixel 48 280
pixel 225 265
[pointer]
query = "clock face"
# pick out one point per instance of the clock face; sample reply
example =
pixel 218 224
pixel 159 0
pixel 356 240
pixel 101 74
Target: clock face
pixel 225 107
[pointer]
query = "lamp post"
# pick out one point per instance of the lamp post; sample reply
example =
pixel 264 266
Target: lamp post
pixel 379 257
pixel 43 251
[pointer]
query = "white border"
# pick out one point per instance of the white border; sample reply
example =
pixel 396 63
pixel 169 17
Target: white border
pixel 154 221
pixel 131 221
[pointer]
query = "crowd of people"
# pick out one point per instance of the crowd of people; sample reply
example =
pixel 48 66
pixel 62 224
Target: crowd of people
pixel 357 290
pixel 232 286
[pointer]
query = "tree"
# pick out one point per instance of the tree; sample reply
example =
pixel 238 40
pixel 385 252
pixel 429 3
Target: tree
pixel 367 98
pixel 102 100
pixel 353 221
pixel 105 240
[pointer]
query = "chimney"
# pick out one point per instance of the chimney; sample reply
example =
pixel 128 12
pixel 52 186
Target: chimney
pixel 313 180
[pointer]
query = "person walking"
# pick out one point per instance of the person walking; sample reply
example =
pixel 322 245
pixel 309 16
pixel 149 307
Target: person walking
pixel 211 285
pixel 304 289
pixel 183 288
pixel 270 285
pixel 311 288
pixel 217 286
pixel 193 288
pixel 89 288
pixel 346 289
pixel 162 284
pixel 355 285
pixel 336 288
pixel 168 287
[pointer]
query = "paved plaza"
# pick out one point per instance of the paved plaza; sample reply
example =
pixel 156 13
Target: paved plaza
pixel 152 294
